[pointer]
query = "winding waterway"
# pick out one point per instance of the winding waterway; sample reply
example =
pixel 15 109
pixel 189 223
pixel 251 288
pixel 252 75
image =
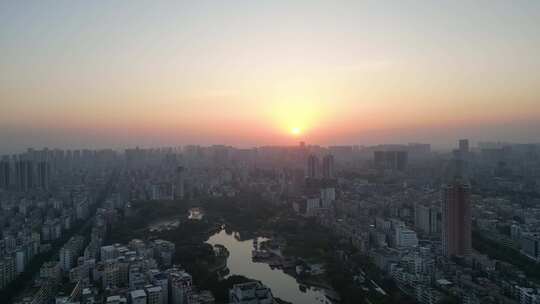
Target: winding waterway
pixel 283 285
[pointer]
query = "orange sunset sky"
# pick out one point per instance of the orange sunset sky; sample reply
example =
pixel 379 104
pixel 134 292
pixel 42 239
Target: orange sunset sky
pixel 125 73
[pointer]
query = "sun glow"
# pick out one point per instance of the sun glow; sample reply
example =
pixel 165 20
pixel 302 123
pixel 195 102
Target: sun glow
pixel 294 114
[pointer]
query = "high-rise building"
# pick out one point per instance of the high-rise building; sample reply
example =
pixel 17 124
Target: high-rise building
pixel 69 252
pixel 154 294
pixel 390 160
pixel 24 171
pixel 328 196
pixel 456 219
pixel 405 237
pixel 67 258
pixel 5 174
pixel 401 160
pixel 82 208
pixel 312 170
pixel 179 185
pixel 180 286
pixel 464 146
pixel 108 252
pixel 328 166
pixel 427 218
pixel 162 280
pixel 43 174
pixel 136 277
pixel 7 271
pixel 530 246
pixel 20 260
pixel 138 296
pixel 110 275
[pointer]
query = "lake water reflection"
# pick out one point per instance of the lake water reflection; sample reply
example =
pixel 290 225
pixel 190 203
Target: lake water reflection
pixel 283 285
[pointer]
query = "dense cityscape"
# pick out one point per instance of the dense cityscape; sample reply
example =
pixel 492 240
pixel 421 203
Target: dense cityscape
pixel 269 152
pixel 345 224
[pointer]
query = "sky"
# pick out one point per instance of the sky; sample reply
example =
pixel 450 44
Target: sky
pixel 84 74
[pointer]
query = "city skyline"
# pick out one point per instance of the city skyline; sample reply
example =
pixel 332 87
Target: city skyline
pixel 248 74
pixel 270 152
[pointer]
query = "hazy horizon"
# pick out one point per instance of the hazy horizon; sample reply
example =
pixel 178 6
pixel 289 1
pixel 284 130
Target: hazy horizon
pixel 247 73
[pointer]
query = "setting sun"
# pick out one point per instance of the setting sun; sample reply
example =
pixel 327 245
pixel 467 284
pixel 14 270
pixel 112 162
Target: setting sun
pixel 296 131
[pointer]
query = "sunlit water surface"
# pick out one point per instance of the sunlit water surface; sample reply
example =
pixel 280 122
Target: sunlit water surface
pixel 283 285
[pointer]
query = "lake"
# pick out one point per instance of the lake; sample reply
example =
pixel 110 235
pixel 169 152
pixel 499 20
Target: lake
pixel 283 285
